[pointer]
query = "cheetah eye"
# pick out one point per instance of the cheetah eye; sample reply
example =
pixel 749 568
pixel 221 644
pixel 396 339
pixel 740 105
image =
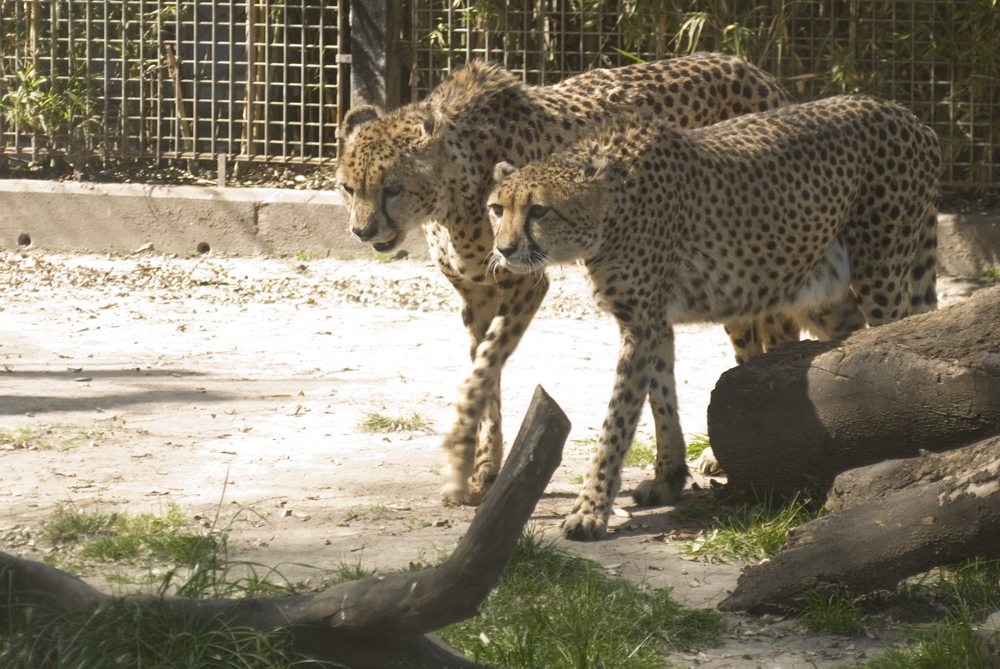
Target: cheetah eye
pixel 537 211
pixel 392 191
pixel 496 210
pixel 348 190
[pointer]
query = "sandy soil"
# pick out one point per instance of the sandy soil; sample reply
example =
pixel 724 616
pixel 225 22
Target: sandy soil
pixel 235 388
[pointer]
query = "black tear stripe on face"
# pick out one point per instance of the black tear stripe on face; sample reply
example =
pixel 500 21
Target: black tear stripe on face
pixel 385 211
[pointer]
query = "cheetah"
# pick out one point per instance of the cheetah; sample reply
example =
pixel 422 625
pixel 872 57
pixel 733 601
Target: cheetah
pixel 430 164
pixel 777 211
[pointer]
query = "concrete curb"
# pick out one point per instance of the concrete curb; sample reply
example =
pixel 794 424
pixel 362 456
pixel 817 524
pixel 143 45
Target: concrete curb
pixel 187 220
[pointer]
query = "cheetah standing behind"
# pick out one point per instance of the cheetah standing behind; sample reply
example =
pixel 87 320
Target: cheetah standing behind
pixel 430 163
pixel 782 210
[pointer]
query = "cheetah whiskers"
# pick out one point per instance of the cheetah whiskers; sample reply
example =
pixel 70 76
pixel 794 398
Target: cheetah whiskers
pixel 492 262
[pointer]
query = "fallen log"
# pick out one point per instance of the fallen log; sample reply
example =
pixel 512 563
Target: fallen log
pixel 864 484
pixel 919 514
pixel 373 623
pixel 796 417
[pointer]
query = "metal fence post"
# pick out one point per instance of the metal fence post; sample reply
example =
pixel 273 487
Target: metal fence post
pixel 375 70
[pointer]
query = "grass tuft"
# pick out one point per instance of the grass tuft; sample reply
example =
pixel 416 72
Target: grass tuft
pixel 20 437
pixel 125 537
pixel 948 645
pixel 992 275
pixel 746 532
pixel 116 636
pixel 641 454
pixel 832 610
pixel 696 444
pixel 556 610
pixel 377 422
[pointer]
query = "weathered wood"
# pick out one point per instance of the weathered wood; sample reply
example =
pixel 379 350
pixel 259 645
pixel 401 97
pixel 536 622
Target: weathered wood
pixel 864 484
pixel 796 417
pixel 940 518
pixel 380 621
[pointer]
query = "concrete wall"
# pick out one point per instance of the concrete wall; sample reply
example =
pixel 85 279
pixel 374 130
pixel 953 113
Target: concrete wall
pixel 120 218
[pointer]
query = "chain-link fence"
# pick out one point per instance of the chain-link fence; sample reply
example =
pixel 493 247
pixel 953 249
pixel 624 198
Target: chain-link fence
pixel 268 80
pixel 940 59
pixel 256 80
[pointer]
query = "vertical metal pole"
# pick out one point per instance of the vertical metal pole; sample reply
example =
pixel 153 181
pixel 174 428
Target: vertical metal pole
pixel 159 81
pixel 123 113
pixel 375 63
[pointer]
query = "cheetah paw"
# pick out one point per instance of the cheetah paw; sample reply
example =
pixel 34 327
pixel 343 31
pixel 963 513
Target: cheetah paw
pixel 454 495
pixel 475 497
pixel 657 493
pixel 707 464
pixel 478 487
pixel 580 526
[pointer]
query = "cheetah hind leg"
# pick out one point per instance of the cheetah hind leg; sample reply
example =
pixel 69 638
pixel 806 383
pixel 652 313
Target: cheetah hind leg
pixel 836 320
pixel 744 335
pixel 489 453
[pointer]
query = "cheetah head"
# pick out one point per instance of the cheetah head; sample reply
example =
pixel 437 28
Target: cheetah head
pixel 547 213
pixel 388 172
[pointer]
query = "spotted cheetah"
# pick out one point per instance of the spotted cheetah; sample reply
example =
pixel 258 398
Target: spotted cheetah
pixel 782 210
pixel 430 164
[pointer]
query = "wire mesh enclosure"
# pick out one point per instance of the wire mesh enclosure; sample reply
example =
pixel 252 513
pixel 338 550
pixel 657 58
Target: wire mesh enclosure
pixel 255 80
pixel 268 80
pixel 941 59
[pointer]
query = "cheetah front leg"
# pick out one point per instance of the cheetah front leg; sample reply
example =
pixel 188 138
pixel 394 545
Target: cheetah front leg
pixel 474 445
pixel 589 518
pixel 671 470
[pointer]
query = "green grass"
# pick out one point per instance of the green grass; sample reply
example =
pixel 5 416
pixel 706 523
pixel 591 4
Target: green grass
pixel 992 275
pixel 948 645
pixel 114 637
pixel 971 588
pixel 746 532
pixel 302 255
pixel 125 537
pixel 550 609
pixel 696 444
pixel 832 610
pixel 21 437
pixel 378 422
pixel 555 610
pixel 345 571
pixel 641 454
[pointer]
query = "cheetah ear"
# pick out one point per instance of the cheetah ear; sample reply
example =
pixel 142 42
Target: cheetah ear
pixel 431 123
pixel 596 168
pixel 502 171
pixel 358 117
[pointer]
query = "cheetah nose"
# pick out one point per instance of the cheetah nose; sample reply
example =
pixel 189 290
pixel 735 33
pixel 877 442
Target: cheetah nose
pixel 506 251
pixel 364 234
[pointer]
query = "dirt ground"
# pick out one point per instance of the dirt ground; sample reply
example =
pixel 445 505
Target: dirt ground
pixel 235 388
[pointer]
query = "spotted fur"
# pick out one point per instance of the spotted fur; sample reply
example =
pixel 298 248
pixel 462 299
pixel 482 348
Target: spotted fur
pixel 778 211
pixel 430 164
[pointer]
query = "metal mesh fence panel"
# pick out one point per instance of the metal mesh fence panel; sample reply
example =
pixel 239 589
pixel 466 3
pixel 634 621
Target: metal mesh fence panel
pixel 939 59
pixel 255 80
